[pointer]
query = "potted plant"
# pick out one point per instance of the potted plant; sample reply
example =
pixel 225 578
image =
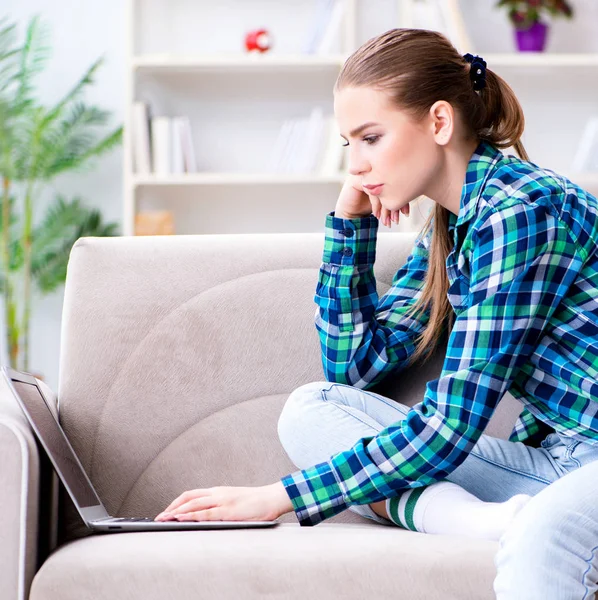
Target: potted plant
pixel 37 143
pixel 525 15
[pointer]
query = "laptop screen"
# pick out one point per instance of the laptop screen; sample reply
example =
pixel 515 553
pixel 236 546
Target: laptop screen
pixel 56 443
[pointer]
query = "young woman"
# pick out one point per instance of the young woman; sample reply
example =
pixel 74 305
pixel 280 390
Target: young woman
pixel 507 267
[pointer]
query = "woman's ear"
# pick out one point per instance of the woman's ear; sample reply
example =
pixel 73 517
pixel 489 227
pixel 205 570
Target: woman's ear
pixel 442 118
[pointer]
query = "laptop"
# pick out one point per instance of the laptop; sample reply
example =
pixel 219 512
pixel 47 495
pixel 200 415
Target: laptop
pixel 67 465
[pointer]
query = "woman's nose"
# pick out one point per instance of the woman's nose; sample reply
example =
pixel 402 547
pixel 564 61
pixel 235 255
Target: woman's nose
pixel 357 167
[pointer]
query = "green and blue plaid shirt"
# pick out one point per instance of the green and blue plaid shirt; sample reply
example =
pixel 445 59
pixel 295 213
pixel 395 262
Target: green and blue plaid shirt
pixel 523 283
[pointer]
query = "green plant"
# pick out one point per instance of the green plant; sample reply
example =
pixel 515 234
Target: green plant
pixel 37 143
pixel 524 13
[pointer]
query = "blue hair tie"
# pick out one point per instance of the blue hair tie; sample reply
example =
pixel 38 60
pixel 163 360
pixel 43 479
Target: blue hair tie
pixel 477 71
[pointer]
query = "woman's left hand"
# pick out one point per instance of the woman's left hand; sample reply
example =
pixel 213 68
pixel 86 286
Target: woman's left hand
pixel 264 503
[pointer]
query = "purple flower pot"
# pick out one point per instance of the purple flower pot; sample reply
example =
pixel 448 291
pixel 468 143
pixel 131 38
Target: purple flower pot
pixel 532 39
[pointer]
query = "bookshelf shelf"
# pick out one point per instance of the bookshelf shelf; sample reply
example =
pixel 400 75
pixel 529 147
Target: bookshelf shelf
pixel 236 62
pixel 541 59
pixel 190 179
pixel 275 62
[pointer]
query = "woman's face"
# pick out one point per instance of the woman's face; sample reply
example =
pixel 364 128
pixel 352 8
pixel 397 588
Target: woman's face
pixel 397 151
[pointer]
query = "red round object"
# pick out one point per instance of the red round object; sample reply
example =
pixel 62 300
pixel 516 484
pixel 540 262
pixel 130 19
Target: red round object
pixel 258 41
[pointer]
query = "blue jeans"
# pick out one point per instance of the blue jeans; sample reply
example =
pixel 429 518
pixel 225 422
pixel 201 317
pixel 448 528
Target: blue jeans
pixel 548 552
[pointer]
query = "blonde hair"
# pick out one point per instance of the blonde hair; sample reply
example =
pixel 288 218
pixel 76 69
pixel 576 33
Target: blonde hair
pixel 416 68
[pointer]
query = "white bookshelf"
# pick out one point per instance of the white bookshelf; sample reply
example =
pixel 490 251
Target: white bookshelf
pixel 184 57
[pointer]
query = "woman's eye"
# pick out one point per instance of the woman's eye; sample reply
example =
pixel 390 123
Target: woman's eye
pixel 370 140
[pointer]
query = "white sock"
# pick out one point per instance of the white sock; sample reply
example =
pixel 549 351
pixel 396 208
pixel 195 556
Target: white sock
pixel 446 508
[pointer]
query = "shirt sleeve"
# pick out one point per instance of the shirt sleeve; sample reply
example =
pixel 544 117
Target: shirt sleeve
pixel 364 337
pixel 523 261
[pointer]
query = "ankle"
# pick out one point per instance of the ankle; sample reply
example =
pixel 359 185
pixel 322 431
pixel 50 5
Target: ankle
pixel 380 509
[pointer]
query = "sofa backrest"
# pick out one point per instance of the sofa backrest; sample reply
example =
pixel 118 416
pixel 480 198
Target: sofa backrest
pixel 178 353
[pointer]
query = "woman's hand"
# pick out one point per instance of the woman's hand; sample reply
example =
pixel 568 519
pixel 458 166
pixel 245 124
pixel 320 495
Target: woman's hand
pixel 264 503
pixel 354 201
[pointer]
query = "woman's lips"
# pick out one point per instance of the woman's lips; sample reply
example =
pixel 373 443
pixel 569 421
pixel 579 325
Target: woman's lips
pixel 374 190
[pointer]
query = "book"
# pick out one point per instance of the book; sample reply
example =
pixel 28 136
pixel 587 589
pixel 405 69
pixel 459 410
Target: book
pixel 275 160
pixel 454 25
pixel 308 153
pixel 333 28
pixel 586 155
pixel 189 160
pixel 301 145
pixel 425 15
pixel 161 134
pixel 140 138
pixel 297 132
pixel 443 16
pixel 176 146
pixel 318 26
pixel 333 151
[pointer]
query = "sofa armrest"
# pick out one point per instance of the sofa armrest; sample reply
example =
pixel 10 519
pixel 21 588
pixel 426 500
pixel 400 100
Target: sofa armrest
pixel 24 471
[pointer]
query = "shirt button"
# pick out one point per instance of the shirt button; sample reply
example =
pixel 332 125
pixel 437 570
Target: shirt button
pixel 347 251
pixel 348 232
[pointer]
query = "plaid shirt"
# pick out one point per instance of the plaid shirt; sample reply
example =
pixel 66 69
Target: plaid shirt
pixel 523 281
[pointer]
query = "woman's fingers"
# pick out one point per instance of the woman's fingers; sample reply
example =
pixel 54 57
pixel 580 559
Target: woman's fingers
pixel 194 505
pixel 385 216
pixel 184 498
pixel 210 514
pixel 376 206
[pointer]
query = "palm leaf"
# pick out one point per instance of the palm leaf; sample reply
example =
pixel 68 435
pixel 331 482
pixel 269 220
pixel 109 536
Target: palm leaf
pixel 64 224
pixel 15 252
pixel 82 148
pixel 9 55
pixel 26 154
pixel 73 94
pixel 8 36
pixel 34 56
pixel 18 73
pixel 71 137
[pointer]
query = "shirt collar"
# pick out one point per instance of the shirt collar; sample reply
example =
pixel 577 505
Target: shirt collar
pixel 480 165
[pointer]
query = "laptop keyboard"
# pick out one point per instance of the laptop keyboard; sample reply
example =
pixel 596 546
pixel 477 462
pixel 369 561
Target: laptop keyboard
pixel 137 519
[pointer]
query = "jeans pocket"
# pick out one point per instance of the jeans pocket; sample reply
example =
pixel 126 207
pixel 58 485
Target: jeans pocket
pixel 552 439
pixel 582 453
pixel 570 449
pixel 560 450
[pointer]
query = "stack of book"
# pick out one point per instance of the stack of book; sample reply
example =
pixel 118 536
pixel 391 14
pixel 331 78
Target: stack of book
pixel 161 145
pixel 308 145
pixel 443 16
pixel 325 27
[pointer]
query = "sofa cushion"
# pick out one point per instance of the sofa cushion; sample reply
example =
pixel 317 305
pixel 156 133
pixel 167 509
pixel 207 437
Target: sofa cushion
pixel 349 561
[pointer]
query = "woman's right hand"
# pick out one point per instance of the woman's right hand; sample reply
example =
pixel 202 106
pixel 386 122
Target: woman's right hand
pixel 355 202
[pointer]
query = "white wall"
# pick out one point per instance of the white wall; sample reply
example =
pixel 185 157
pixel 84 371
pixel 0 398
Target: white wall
pixel 81 31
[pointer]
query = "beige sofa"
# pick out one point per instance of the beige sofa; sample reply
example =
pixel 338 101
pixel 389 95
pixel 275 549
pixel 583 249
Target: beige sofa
pixel 177 356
